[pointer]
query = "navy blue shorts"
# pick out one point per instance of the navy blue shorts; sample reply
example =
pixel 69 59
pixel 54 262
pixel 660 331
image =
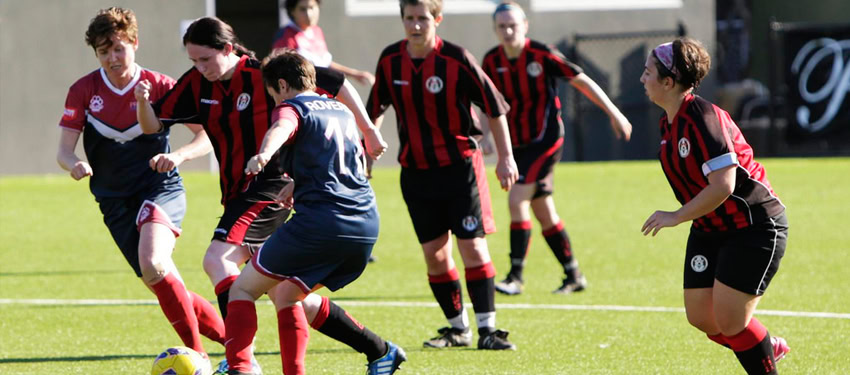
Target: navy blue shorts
pixel 163 204
pixel 455 198
pixel 251 217
pixel 308 261
pixel 745 259
pixel 536 161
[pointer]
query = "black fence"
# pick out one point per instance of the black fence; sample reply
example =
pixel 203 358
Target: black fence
pixel 615 62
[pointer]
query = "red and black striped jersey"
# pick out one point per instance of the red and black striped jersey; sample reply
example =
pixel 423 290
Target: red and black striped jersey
pixel 236 116
pixel 432 101
pixel 529 84
pixel 701 139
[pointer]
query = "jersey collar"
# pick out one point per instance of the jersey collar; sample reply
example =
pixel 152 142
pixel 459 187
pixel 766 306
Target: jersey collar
pixel 129 86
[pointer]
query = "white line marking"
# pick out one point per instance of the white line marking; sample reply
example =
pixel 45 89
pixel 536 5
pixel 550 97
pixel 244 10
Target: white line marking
pixel 504 306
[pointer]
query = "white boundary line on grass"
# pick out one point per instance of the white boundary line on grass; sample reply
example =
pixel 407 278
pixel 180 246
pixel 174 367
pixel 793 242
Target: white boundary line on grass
pixel 506 306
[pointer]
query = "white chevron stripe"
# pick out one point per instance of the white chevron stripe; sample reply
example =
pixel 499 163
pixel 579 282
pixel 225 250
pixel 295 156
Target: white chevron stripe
pixel 118 136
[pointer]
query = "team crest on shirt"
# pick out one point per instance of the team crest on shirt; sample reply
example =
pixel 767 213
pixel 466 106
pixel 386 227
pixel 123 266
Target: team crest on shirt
pixel 96 103
pixel 469 223
pixel 242 101
pixel 434 84
pixel 534 69
pixel 684 147
pixel 699 263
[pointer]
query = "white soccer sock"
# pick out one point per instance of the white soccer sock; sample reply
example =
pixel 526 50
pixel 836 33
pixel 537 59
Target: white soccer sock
pixel 461 321
pixel 486 319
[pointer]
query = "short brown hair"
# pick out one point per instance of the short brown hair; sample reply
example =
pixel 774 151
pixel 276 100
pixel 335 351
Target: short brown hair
pixel 435 7
pixel 287 64
pixel 109 22
pixel 691 60
pixel 290 5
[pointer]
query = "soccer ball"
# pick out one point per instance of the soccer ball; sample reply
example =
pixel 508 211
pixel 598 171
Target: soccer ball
pixel 180 360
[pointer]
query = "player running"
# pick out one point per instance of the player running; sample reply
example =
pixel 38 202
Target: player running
pixel 739 228
pixel 329 238
pixel 134 176
pixel 527 73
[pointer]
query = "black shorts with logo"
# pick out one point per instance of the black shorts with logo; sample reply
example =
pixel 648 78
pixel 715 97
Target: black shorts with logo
pixel 251 217
pixel 455 198
pixel 536 161
pixel 745 259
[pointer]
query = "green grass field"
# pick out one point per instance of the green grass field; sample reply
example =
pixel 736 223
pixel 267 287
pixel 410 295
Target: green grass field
pixel 55 247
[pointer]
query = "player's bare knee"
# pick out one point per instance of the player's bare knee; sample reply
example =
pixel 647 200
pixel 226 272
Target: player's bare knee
pixel 153 272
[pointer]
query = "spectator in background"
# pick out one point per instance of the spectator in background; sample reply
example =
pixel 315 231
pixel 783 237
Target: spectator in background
pixel 303 34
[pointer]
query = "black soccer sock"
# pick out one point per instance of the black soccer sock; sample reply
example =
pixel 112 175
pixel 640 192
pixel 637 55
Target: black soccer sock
pixel 559 242
pixel 520 242
pixel 481 287
pixel 222 291
pixel 342 327
pixel 446 289
pixel 753 348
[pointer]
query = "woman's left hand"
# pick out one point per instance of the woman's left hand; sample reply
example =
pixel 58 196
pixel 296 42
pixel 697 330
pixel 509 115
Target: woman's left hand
pixel 658 220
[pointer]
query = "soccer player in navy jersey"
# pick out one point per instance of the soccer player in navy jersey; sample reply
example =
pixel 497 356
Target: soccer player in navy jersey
pixel 527 73
pixel 739 229
pixel 134 176
pixel 224 92
pixel 432 83
pixel 329 238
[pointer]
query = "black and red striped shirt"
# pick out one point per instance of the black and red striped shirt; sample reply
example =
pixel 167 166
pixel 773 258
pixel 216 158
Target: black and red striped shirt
pixel 432 100
pixel 529 84
pixel 236 116
pixel 701 139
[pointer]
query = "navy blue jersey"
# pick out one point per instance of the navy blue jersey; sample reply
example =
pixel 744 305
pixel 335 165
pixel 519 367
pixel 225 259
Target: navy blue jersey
pixel 115 147
pixel 332 196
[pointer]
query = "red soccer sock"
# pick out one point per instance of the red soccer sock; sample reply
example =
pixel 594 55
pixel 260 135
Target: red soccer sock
pixel 209 323
pixel 294 335
pixel 241 325
pixel 718 338
pixel 753 348
pixel 176 304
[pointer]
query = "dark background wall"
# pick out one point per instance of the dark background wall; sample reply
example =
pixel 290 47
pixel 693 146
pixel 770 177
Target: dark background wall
pixel 39 63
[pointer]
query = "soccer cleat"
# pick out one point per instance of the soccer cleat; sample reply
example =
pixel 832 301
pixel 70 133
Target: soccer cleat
pixel 449 337
pixel 224 369
pixel 389 363
pixel 509 286
pixel 496 340
pixel 780 347
pixel 574 282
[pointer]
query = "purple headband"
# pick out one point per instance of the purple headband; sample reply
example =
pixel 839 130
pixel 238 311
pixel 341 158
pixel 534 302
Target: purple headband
pixel 664 53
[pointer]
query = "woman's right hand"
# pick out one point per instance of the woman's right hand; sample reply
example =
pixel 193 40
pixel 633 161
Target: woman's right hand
pixel 142 91
pixel 81 169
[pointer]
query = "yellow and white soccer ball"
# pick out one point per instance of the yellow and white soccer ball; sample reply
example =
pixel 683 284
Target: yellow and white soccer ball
pixel 180 360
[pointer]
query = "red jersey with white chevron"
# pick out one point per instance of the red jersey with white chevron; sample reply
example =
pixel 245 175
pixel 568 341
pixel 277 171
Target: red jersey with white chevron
pixel 115 146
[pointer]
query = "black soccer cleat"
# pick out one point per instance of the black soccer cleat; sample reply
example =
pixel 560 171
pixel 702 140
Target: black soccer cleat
pixel 496 340
pixel 450 337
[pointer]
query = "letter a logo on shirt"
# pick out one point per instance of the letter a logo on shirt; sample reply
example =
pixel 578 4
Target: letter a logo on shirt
pixel 434 84
pixel 242 101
